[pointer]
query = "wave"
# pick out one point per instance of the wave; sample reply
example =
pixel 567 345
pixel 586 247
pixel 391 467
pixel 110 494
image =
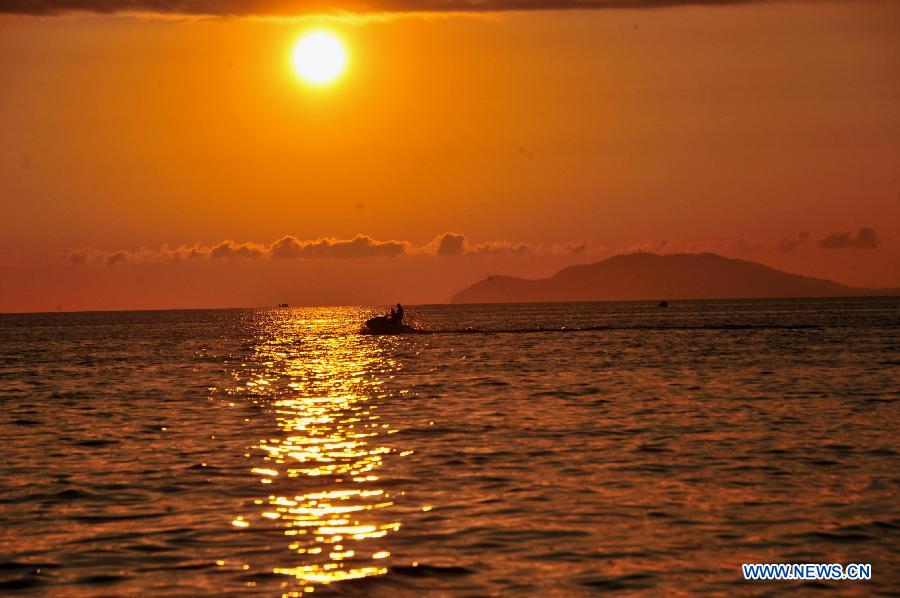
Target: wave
pixel 575 329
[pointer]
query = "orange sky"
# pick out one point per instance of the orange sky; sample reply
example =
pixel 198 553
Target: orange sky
pixel 546 138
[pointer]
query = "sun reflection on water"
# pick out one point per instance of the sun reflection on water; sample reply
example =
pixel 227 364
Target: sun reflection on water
pixel 321 464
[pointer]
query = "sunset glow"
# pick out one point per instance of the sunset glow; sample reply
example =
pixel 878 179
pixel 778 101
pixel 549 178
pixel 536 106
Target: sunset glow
pixel 351 159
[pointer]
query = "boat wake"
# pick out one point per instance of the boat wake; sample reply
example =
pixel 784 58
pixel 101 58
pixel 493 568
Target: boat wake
pixel 582 329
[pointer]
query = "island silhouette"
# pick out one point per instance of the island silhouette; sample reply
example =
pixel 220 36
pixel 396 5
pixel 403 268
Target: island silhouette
pixel 649 276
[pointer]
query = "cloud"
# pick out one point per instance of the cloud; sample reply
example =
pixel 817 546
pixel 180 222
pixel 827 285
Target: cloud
pixel 76 257
pixel 290 247
pixel 786 245
pixel 287 247
pixel 232 250
pixel 451 244
pixel 866 238
pixel 306 7
pixel 501 247
pixel 118 257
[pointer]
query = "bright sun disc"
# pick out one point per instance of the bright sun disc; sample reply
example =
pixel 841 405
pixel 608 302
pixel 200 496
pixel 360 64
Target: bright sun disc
pixel 319 57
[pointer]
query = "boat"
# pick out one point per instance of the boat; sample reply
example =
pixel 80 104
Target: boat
pixel 385 325
pixel 283 305
pixel 663 303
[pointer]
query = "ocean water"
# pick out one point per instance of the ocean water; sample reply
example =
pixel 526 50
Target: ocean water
pixel 554 449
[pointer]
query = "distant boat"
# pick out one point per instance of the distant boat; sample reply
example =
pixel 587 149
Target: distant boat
pixel 663 303
pixel 283 305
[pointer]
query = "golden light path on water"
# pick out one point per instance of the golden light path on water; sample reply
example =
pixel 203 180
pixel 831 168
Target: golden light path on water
pixel 321 384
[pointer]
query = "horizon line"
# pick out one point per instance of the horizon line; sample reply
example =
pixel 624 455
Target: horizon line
pixel 894 294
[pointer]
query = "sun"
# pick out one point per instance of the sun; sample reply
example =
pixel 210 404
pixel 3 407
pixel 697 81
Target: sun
pixel 319 57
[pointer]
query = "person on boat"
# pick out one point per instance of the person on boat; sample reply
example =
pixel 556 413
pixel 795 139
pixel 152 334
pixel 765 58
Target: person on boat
pixel 398 316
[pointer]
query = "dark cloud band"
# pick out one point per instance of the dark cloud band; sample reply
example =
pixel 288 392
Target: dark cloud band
pixel 290 247
pixel 866 238
pixel 302 7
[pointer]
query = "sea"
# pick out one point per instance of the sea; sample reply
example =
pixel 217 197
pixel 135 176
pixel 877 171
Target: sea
pixel 533 449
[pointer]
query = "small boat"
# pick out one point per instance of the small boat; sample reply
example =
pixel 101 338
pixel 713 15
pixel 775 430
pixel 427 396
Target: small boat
pixel 385 325
pixel 663 303
pixel 283 305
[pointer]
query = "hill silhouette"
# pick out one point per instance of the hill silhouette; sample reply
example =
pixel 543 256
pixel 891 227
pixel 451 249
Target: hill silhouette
pixel 650 276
